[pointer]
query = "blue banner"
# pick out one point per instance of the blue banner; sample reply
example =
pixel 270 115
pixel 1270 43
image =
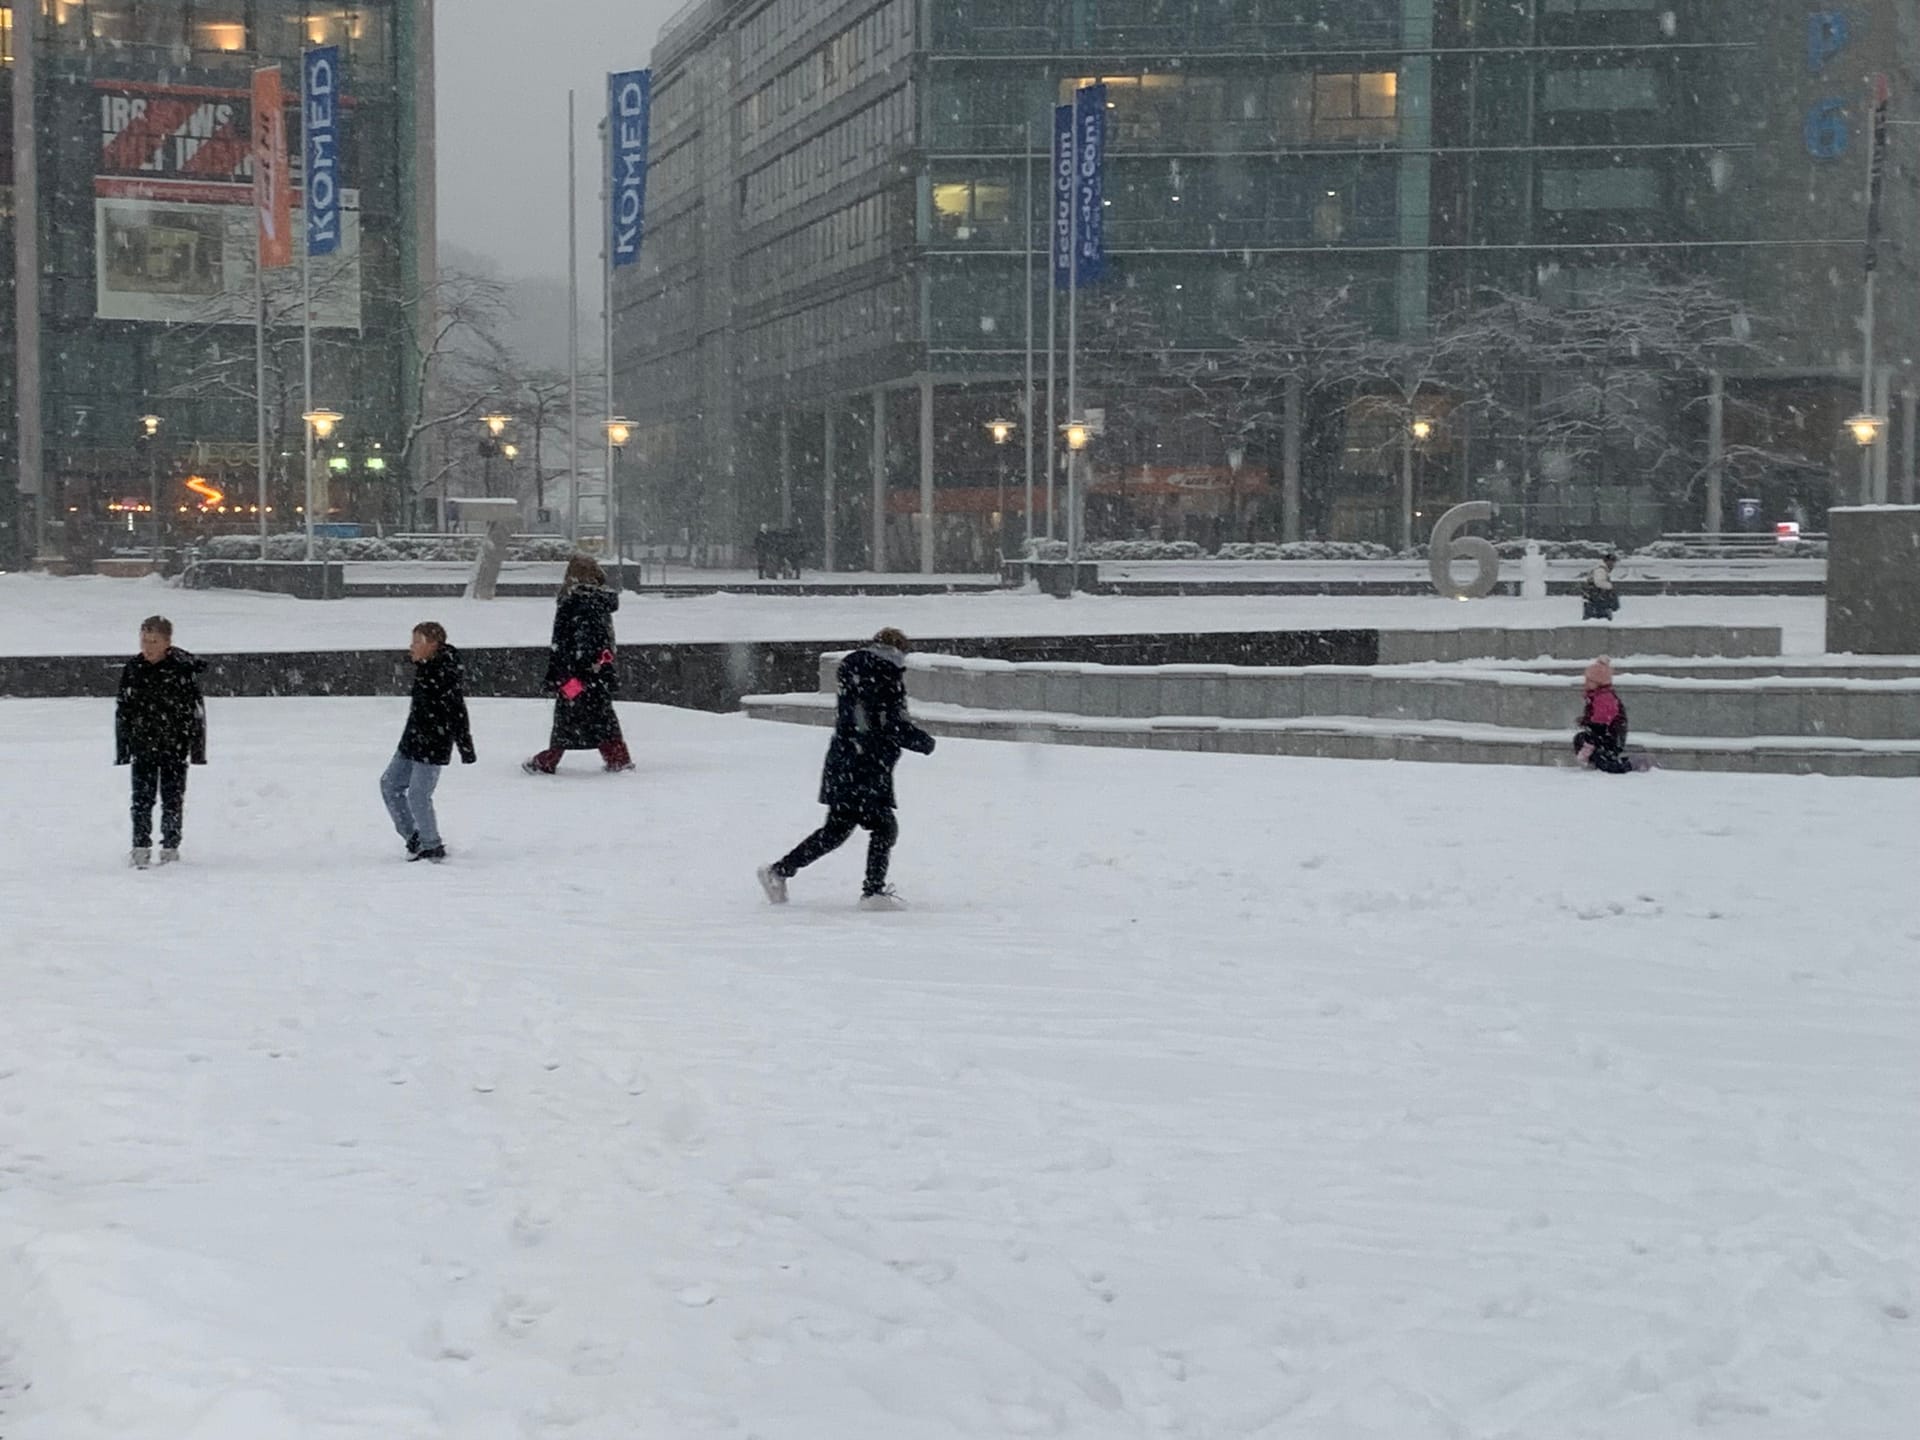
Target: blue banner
pixel 629 118
pixel 1061 224
pixel 1090 183
pixel 320 122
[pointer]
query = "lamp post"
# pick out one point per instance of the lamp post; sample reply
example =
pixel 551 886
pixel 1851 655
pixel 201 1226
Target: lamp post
pixel 149 434
pixel 494 425
pixel 1865 429
pixel 1078 435
pixel 1419 431
pixel 1236 457
pixel 619 431
pixel 320 427
pixel 1002 432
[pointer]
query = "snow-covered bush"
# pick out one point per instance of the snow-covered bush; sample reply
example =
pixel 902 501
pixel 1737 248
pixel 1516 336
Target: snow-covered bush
pixel 549 549
pixel 1118 550
pixel 1305 550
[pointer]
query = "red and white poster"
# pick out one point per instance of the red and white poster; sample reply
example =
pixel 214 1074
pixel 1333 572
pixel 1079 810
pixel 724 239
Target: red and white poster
pixel 272 190
pixel 179 211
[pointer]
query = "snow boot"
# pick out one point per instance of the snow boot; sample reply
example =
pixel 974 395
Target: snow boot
pixel 774 883
pixel 170 855
pixel 530 768
pixel 413 844
pixel 140 857
pixel 882 900
pixel 433 855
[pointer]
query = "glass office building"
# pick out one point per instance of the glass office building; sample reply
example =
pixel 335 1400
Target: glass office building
pixel 142 222
pixel 847 255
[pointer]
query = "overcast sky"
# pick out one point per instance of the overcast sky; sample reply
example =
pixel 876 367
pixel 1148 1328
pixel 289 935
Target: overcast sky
pixel 504 70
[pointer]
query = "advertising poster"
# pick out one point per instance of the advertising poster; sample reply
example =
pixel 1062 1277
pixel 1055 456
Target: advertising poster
pixel 176 221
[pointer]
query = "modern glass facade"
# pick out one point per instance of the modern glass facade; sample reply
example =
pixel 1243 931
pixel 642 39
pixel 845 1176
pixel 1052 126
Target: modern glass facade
pixel 886 194
pixel 145 244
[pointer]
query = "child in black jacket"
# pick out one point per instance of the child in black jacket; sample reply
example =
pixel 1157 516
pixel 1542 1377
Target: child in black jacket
pixel 159 728
pixel 436 724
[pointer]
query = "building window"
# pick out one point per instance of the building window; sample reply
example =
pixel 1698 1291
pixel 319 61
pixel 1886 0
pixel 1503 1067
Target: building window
pixel 1598 7
pixel 1356 107
pixel 1630 188
pixel 962 206
pixel 219 26
pixel 1608 89
pixel 6 35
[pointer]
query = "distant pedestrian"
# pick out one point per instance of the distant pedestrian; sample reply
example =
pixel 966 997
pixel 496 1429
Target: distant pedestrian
pixel 583 672
pixel 159 728
pixel 1602 601
pixel 437 724
pixel 1601 741
pixel 871 728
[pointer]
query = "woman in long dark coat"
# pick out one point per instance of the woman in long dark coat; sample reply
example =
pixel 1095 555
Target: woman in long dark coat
pixel 583 672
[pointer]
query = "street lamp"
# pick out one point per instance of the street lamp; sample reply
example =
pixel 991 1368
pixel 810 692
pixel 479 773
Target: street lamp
pixel 495 425
pixel 323 422
pixel 510 451
pixel 619 431
pixel 1078 435
pixel 320 426
pixel 1866 429
pixel 149 431
pixel 1419 431
pixel 1002 432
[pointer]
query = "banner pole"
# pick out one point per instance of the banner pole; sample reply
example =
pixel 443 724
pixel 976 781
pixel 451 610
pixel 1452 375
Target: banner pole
pixel 606 335
pixel 306 291
pixel 573 331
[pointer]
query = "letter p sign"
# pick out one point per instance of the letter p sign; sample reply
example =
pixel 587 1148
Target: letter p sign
pixel 1828 33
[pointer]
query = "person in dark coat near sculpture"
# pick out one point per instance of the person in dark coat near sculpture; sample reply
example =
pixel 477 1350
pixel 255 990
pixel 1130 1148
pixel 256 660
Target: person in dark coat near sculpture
pixel 583 672
pixel 871 728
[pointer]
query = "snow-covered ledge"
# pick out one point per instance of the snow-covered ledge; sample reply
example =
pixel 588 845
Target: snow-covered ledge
pixel 1873 580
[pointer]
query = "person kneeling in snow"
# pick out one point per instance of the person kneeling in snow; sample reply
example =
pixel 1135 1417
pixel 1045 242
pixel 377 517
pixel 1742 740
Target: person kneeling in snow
pixel 1601 741
pixel 870 730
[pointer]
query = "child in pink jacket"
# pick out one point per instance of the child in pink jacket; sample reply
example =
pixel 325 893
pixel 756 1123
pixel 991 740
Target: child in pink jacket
pixel 1601 740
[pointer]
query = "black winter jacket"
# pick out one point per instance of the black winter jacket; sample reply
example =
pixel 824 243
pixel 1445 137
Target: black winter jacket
pixel 869 732
pixel 161 714
pixel 582 633
pixel 438 720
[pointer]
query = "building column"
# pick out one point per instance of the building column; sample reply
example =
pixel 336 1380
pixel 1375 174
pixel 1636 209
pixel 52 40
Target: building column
pixel 1910 424
pixel 786 470
pixel 827 556
pixel 31 533
pixel 1416 164
pixel 1290 460
pixel 1715 521
pixel 878 560
pixel 1882 452
pixel 926 473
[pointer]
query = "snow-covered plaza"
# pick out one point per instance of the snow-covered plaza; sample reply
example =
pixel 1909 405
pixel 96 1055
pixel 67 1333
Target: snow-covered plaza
pixel 1195 1096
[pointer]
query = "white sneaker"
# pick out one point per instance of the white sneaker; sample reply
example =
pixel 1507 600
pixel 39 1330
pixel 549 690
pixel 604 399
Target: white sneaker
pixel 140 857
pixel 884 900
pixel 169 855
pixel 774 883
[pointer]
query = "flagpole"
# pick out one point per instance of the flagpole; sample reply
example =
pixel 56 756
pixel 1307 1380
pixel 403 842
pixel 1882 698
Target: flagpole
pixel 1073 343
pixel 306 293
pixel 1876 120
pixel 573 333
pixel 606 329
pixel 1053 309
pixel 1027 410
pixel 260 377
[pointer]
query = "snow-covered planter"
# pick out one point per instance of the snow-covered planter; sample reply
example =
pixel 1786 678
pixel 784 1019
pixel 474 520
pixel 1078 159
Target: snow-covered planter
pixel 1305 550
pixel 1056 550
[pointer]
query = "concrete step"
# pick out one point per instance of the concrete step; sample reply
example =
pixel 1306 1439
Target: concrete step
pixel 1371 738
pixel 1509 698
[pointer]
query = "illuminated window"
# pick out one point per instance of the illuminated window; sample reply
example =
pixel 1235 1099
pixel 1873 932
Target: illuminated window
pixel 960 206
pixel 6 36
pixel 1356 107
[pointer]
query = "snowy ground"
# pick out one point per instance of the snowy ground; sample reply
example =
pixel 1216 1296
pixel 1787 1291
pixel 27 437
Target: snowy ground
pixel 1198 1096
pixel 42 615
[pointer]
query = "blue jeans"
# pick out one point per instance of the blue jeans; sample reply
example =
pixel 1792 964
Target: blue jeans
pixel 407 786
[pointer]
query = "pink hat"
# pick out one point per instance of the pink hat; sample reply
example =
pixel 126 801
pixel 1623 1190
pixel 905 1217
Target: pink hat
pixel 1600 674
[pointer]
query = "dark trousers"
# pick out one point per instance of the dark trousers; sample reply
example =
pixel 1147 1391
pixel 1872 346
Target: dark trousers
pixel 882 829
pixel 166 780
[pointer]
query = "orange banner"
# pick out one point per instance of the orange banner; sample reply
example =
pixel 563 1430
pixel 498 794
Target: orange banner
pixel 272 186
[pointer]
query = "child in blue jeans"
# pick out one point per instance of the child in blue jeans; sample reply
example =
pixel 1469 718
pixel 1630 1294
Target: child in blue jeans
pixel 436 724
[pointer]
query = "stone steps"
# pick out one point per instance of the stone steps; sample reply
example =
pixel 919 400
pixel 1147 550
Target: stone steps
pixel 1373 738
